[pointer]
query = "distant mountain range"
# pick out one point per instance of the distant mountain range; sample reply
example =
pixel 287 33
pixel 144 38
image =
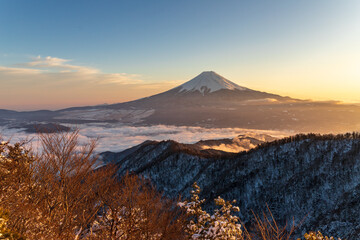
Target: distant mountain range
pixel 315 179
pixel 212 147
pixel 209 100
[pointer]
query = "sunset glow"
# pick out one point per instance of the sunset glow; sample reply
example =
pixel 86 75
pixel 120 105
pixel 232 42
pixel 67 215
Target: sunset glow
pixel 57 54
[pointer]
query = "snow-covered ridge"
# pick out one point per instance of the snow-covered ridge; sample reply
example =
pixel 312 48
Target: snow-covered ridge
pixel 208 82
pixel 310 179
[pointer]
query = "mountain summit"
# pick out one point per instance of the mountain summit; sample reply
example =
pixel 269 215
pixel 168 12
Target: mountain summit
pixel 208 82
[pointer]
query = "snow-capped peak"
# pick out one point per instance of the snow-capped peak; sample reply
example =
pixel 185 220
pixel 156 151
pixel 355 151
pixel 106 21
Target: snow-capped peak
pixel 208 82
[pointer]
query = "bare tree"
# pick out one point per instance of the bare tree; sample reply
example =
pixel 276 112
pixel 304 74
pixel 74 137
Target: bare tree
pixel 70 184
pixel 61 194
pixel 135 210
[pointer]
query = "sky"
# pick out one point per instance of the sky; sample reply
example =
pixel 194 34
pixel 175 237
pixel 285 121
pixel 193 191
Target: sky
pixel 57 54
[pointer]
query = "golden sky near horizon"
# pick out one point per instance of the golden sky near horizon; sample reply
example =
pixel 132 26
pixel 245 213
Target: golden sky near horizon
pixel 55 83
pixel 302 49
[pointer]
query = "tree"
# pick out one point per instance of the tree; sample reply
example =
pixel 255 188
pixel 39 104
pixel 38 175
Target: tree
pixel 55 194
pixel 17 186
pixel 221 225
pixel 135 210
pixel 61 193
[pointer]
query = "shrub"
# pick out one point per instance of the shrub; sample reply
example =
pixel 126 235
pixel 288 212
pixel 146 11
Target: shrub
pixel 201 225
pixel 317 236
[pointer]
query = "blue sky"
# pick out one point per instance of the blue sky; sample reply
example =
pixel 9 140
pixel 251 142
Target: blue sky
pixel 266 45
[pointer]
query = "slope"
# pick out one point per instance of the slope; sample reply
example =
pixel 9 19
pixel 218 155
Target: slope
pixel 309 176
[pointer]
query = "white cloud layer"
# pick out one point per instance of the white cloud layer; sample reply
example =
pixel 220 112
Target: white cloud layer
pixel 119 137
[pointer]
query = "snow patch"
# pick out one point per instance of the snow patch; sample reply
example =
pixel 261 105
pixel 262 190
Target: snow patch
pixel 208 82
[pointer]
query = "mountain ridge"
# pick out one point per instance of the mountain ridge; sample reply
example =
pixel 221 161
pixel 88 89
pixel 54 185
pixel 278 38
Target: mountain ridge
pixel 294 176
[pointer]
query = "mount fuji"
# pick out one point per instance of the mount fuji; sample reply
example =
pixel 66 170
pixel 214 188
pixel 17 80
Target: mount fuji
pixel 208 100
pixel 206 89
pixel 208 82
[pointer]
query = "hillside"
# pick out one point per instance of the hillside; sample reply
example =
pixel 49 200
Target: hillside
pixel 310 177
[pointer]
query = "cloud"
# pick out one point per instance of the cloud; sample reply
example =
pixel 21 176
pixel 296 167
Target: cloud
pixel 53 71
pixel 48 62
pixel 52 82
pixel 116 137
pixel 60 68
pixel 18 71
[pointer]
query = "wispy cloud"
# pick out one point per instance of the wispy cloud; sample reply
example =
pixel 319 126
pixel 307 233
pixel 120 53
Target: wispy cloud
pixel 52 82
pixel 59 68
pixel 49 62
pixel 18 71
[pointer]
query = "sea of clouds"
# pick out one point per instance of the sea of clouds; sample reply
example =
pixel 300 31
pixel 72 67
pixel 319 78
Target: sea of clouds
pixel 116 137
